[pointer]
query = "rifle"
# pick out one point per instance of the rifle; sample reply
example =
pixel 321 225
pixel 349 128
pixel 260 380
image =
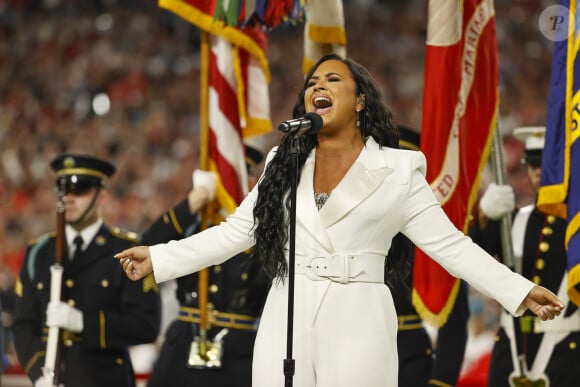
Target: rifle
pixel 52 370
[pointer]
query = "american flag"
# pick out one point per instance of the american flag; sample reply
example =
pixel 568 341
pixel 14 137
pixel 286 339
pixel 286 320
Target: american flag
pixel 235 100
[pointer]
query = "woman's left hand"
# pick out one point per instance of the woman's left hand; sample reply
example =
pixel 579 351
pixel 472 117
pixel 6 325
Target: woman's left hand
pixel 545 304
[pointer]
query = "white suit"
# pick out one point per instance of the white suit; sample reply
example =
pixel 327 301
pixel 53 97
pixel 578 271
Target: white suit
pixel 345 333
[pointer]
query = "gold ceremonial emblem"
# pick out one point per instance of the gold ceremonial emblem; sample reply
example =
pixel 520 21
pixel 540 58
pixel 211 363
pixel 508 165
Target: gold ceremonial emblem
pixel 69 162
pixel 522 381
pixel 100 240
pixel 527 324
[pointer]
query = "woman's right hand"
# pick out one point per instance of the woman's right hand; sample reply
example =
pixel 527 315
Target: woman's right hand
pixel 545 304
pixel 136 262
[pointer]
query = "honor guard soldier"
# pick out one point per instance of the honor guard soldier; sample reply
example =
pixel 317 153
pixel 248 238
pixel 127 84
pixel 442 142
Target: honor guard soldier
pixel 549 349
pixel 236 295
pixel 101 312
pixel 420 364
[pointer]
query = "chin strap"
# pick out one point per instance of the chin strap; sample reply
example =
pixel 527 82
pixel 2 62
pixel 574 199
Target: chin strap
pixel 91 205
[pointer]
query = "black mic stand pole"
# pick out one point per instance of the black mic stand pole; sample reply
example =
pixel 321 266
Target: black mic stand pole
pixel 289 362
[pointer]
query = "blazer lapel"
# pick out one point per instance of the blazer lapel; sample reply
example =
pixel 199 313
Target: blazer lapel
pixel 306 211
pixel 362 179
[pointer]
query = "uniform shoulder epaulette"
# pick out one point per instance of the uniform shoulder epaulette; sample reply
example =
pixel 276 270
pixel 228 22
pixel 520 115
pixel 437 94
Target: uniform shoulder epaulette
pixel 42 238
pixel 124 234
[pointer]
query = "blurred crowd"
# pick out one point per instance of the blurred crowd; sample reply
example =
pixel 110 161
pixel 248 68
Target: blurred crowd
pixel 119 79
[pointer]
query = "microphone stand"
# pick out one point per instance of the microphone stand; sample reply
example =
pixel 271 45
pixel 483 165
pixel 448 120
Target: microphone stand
pixel 289 362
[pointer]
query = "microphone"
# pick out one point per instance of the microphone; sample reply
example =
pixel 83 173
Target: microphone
pixel 310 122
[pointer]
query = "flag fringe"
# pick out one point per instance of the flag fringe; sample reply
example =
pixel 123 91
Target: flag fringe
pixel 551 199
pixel 436 319
pixel 572 229
pixel 573 282
pixel 257 126
pixel 324 34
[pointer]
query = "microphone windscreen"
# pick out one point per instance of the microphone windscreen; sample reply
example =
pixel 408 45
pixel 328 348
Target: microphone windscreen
pixel 316 121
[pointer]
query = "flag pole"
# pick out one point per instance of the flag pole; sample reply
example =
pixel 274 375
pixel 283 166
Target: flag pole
pixel 203 275
pixel 499 172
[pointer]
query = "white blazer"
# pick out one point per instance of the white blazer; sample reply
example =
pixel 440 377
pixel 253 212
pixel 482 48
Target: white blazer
pixel 383 193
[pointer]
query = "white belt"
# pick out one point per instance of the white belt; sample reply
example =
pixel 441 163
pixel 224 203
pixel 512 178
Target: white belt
pixel 559 324
pixel 341 267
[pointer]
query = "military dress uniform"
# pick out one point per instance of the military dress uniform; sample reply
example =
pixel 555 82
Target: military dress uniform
pixel 550 347
pixel 117 312
pixel 236 294
pixel 544 262
pixel 419 363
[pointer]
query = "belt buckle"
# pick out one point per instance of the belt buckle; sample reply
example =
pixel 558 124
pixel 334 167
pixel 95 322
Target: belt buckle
pixel 313 268
pixel 335 267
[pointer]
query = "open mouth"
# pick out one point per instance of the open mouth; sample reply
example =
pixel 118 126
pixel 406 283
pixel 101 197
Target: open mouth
pixel 322 104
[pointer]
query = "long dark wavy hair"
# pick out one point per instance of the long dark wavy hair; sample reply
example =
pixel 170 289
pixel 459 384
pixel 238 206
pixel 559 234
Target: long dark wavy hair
pixel 270 218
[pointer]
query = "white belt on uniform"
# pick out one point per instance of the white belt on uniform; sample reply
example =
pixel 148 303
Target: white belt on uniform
pixel 532 324
pixel 554 332
pixel 341 267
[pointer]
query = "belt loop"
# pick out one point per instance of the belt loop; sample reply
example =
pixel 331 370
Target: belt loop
pixel 345 269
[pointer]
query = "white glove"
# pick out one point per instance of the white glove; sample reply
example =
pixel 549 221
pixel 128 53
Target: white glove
pixel 497 200
pixel 44 382
pixel 206 180
pixel 62 315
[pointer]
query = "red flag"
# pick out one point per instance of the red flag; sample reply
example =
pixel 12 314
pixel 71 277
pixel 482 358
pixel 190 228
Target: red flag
pixel 460 105
pixel 235 99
